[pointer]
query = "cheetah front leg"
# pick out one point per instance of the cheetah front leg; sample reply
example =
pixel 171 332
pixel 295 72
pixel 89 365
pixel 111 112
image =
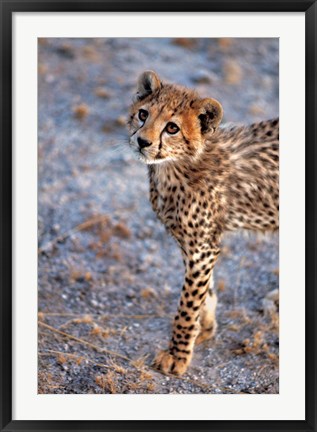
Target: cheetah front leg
pixel 186 326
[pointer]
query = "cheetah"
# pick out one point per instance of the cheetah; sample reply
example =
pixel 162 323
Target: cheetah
pixel 205 179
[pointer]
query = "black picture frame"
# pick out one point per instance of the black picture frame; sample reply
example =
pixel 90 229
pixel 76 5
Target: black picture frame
pixel 8 7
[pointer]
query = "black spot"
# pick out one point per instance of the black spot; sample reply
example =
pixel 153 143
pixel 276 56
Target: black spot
pixel 189 281
pixel 195 292
pixel 183 343
pixel 186 140
pixel 189 304
pixel 196 274
pixel 202 283
pixel 183 313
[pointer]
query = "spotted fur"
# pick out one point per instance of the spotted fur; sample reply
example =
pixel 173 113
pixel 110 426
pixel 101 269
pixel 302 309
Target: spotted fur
pixel 204 180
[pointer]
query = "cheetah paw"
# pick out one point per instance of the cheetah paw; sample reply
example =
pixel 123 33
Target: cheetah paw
pixel 168 363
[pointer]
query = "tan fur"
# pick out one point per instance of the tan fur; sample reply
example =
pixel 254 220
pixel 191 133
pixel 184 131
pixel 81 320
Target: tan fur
pixel 204 180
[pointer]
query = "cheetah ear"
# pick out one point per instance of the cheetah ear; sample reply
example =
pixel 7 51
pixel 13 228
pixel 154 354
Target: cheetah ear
pixel 210 116
pixel 148 82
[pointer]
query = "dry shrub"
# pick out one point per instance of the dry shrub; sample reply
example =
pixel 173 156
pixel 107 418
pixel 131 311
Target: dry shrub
pixel 94 223
pixel 46 382
pixel 188 43
pixel 88 276
pixel 121 230
pixel 257 346
pixel 86 319
pixel 148 293
pixel 225 43
pixel 118 368
pixel 90 53
pixel 145 376
pixel 239 314
pixel 133 385
pixel 102 332
pixel 102 93
pixel 150 387
pixel 61 359
pixel 139 363
pixel 81 111
pixel 107 382
pixel 121 121
pixel 221 285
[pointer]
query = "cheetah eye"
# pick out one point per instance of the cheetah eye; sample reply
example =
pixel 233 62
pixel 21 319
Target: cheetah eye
pixel 172 128
pixel 143 115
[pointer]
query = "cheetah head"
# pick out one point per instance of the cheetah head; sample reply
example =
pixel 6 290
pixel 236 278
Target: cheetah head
pixel 169 122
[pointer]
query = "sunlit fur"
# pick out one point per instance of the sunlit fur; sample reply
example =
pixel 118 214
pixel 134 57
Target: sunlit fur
pixel 204 180
pixel 169 103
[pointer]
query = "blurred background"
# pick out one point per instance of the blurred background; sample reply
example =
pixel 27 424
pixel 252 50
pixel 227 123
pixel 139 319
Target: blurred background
pixel 109 276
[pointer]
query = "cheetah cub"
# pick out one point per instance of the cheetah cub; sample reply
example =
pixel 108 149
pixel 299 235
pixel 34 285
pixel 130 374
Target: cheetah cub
pixel 204 180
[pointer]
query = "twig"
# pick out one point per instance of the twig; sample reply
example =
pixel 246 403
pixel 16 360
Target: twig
pixel 103 350
pixel 82 341
pixel 140 316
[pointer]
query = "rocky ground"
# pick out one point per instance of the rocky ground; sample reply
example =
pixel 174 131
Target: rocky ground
pixel 109 275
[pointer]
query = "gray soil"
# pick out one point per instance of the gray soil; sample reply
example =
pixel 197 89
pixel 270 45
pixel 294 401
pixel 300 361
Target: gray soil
pixel 109 275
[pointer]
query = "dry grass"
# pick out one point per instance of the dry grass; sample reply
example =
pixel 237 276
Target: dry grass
pixel 121 121
pixel 225 43
pixel 102 226
pixel 121 230
pixel 107 382
pixel 102 93
pixel 148 293
pixel 188 43
pixel 81 111
pixel 257 346
pixel 221 285
pixel 139 363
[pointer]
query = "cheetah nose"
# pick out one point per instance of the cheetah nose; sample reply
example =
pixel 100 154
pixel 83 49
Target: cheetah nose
pixel 143 143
